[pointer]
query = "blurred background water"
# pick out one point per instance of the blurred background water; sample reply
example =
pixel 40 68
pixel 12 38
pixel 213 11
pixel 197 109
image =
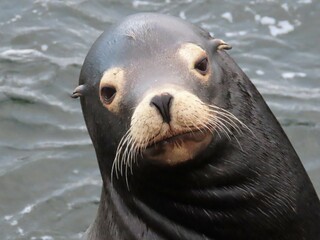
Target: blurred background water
pixel 49 177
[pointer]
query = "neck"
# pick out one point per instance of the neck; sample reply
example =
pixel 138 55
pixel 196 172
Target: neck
pixel 214 199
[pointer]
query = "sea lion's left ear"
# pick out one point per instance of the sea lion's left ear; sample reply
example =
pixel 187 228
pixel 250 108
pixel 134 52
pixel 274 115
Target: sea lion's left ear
pixel 78 91
pixel 219 44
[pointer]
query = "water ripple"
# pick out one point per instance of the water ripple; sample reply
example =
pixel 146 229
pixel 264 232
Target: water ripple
pixel 31 55
pixel 31 96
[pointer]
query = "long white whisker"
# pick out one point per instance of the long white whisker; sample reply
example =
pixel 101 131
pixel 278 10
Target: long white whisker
pixel 117 159
pixel 227 114
pixel 125 155
pixel 232 116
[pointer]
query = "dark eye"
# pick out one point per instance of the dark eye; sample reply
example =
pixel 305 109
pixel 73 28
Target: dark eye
pixel 108 94
pixel 202 66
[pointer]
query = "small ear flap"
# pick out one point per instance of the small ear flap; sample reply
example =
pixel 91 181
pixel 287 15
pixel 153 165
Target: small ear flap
pixel 78 91
pixel 219 44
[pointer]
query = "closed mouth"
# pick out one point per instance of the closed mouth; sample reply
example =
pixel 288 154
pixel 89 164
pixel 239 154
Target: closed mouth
pixel 194 136
pixel 179 148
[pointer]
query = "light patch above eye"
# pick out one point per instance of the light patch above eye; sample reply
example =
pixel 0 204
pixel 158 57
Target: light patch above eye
pixel 196 59
pixel 111 88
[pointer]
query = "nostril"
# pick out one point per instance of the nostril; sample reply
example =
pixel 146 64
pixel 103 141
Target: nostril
pixel 163 103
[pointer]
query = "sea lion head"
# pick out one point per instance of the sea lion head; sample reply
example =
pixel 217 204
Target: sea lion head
pixel 152 91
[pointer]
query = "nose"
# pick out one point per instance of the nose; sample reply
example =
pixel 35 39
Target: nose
pixel 162 103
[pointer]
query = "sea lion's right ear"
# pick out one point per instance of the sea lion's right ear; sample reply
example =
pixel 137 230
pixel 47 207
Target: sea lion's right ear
pixel 219 44
pixel 78 91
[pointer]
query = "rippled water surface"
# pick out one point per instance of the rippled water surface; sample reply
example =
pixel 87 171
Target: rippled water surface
pixel 49 177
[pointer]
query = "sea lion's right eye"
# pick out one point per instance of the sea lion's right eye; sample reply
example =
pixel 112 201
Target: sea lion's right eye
pixel 108 93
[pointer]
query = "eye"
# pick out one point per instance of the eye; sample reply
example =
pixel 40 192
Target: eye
pixel 108 94
pixel 202 66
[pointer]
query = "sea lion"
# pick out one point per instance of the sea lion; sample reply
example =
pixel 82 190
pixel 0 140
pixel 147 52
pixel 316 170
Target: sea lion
pixel 187 147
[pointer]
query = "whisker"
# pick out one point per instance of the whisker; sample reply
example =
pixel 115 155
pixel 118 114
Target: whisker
pixel 231 124
pixel 234 117
pixel 226 113
pixel 230 121
pixel 117 159
pixel 219 123
pixel 212 126
pixel 206 124
pixel 125 155
pixel 224 129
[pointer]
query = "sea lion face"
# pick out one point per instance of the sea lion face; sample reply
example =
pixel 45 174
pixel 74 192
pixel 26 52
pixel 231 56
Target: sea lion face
pixel 156 76
pixel 169 122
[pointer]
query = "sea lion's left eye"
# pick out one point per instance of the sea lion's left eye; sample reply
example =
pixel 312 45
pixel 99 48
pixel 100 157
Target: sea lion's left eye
pixel 202 66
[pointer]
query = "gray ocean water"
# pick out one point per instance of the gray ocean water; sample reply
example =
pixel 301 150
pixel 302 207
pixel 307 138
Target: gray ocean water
pixel 49 177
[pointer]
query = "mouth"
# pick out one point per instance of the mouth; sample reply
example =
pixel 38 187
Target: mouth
pixel 196 136
pixel 179 148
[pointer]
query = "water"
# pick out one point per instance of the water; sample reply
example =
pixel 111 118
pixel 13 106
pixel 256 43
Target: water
pixel 49 177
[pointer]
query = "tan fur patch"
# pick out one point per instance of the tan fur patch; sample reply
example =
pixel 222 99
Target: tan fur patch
pixel 188 114
pixel 113 77
pixel 191 53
